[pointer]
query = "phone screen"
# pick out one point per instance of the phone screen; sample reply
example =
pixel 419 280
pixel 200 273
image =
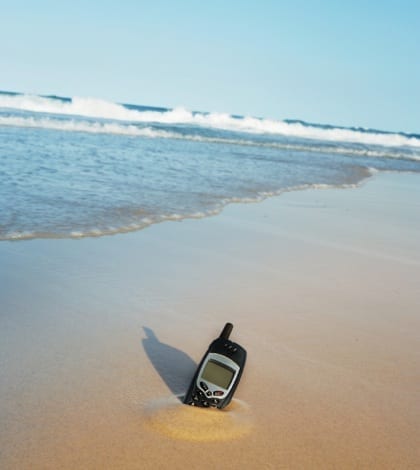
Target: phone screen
pixel 218 374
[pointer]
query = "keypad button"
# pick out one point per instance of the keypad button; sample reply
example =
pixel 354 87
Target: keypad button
pixel 203 385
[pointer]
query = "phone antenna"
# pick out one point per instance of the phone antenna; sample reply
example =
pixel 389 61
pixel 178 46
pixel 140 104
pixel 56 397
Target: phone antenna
pixel 227 330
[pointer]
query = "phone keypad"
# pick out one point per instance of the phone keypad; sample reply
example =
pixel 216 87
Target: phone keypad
pixel 205 400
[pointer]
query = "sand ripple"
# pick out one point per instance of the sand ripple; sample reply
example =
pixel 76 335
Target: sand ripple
pixel 173 419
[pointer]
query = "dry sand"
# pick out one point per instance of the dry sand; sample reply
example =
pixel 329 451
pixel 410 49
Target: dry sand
pixel 99 336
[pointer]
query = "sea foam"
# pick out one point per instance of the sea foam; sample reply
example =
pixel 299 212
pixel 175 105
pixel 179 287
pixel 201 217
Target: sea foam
pixel 127 129
pixel 96 108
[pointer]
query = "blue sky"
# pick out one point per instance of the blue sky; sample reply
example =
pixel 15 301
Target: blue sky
pixel 353 64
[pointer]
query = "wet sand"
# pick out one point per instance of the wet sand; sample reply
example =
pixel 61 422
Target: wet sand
pixel 98 337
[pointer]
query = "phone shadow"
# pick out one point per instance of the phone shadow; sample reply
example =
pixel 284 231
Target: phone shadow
pixel 174 366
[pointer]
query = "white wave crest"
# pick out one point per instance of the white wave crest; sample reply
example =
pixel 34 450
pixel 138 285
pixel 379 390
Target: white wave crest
pixel 95 108
pixel 95 127
pixel 72 125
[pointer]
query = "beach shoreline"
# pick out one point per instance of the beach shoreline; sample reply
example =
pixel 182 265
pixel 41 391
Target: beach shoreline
pixel 322 287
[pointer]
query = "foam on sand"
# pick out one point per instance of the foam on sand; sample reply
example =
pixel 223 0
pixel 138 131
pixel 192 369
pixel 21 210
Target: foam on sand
pixel 173 419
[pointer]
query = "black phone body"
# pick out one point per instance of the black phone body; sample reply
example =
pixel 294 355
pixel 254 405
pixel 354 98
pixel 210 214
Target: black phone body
pixel 218 373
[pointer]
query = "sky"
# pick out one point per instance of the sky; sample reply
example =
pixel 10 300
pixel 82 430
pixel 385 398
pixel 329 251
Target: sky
pixel 344 63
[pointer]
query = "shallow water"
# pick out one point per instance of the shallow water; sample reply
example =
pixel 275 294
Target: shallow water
pixel 83 167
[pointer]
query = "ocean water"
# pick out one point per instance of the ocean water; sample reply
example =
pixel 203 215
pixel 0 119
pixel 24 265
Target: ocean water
pixel 77 167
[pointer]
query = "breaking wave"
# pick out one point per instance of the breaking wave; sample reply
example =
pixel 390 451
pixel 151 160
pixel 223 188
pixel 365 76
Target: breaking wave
pixel 95 108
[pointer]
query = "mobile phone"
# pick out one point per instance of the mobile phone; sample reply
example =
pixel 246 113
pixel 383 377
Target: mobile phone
pixel 218 373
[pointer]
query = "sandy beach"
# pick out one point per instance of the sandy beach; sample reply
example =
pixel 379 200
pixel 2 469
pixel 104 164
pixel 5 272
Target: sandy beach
pixel 98 336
